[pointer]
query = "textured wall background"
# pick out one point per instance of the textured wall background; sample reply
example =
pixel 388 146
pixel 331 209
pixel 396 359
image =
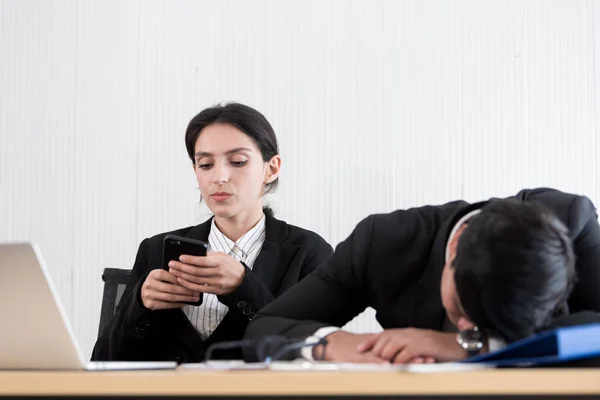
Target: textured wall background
pixel 378 105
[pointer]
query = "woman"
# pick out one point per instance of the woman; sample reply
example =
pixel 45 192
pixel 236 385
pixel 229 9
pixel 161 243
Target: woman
pixel 254 257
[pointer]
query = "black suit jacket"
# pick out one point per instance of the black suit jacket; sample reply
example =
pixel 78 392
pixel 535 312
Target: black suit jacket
pixel 136 333
pixel 393 263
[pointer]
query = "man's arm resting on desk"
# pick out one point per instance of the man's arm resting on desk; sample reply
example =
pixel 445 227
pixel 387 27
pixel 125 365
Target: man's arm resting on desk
pixel 297 316
pixel 308 351
pixel 330 296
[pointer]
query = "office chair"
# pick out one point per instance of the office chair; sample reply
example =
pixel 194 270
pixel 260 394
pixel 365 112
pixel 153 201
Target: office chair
pixel 115 281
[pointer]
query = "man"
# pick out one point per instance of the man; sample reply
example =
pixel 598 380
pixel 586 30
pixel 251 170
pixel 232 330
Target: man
pixel 501 269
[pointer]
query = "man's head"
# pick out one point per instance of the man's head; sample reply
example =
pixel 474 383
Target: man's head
pixel 510 269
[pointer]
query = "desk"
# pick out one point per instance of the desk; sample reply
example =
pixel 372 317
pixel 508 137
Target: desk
pixel 260 383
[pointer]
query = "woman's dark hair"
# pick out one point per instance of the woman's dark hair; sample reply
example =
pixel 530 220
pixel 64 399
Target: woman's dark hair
pixel 514 268
pixel 244 118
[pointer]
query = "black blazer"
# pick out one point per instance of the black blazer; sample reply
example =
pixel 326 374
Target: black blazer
pixel 393 263
pixel 136 333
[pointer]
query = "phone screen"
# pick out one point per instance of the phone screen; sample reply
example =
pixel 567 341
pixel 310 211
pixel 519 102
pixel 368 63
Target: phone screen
pixel 175 246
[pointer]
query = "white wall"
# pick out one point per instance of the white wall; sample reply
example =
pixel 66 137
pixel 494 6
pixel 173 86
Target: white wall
pixel 378 105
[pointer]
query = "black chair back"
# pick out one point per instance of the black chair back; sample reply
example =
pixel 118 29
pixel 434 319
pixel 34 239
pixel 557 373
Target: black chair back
pixel 115 281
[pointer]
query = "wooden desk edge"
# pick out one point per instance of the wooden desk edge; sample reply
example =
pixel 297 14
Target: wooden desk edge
pixel 530 381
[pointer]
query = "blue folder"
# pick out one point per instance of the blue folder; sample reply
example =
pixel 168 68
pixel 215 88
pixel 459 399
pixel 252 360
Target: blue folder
pixel 548 347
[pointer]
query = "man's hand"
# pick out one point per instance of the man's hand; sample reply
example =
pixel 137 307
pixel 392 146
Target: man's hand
pixel 160 291
pixel 215 273
pixel 342 347
pixel 400 346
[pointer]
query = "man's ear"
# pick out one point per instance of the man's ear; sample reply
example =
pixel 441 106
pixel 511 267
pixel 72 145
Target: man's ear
pixel 453 245
pixel 464 324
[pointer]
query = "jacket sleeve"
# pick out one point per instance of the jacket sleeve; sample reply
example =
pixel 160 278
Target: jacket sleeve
pixel 331 295
pixel 586 244
pixel 252 295
pixel 128 335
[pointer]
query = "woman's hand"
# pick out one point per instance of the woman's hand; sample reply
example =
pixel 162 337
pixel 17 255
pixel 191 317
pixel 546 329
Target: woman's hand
pixel 161 291
pixel 215 273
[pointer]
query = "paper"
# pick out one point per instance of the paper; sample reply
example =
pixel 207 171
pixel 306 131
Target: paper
pixel 302 365
pixel 129 365
pixel 222 365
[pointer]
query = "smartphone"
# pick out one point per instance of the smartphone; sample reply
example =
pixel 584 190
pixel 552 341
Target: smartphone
pixel 175 246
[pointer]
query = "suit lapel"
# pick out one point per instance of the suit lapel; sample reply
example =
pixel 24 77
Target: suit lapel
pixel 275 256
pixel 201 232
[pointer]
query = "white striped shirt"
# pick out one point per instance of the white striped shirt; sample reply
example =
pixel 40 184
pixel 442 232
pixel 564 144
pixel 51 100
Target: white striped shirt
pixel 208 315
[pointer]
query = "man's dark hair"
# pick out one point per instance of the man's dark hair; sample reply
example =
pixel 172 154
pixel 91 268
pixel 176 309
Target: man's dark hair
pixel 514 268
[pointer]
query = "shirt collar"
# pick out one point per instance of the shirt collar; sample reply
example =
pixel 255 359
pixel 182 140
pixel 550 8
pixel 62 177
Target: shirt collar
pixel 219 242
pixel 457 226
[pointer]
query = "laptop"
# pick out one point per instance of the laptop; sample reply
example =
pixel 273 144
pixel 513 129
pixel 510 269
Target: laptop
pixel 35 333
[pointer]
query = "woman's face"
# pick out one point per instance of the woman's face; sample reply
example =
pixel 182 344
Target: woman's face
pixel 230 171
